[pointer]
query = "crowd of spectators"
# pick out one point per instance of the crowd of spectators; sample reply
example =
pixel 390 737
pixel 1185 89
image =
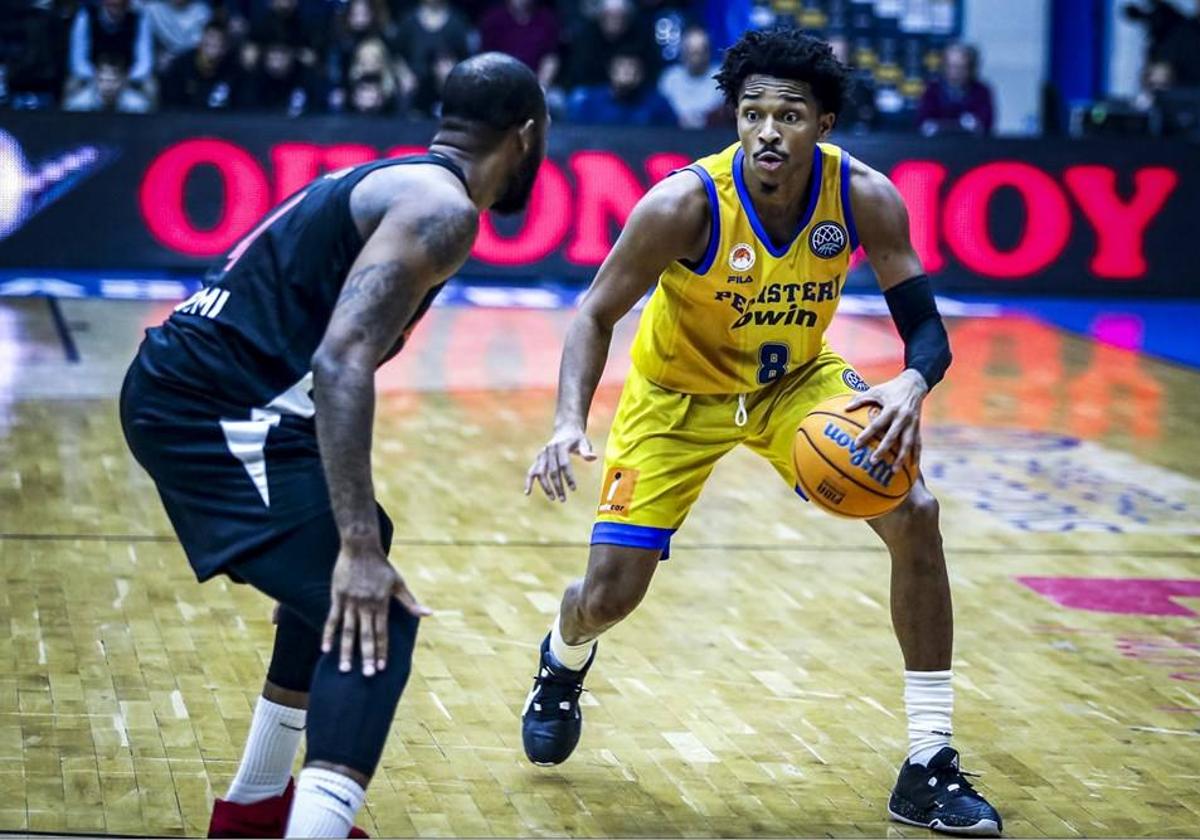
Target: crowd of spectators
pixel 614 62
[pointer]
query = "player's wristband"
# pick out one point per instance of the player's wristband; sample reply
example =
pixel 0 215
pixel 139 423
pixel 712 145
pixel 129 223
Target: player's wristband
pixel 926 346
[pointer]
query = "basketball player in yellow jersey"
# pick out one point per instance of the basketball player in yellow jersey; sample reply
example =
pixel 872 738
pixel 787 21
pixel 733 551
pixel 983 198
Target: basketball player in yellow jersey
pixel 750 249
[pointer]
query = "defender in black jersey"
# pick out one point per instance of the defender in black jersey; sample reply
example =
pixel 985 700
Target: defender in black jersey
pixel 252 408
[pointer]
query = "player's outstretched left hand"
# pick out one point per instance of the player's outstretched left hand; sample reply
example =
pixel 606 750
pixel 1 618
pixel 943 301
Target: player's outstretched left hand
pixel 361 593
pixel 898 423
pixel 552 466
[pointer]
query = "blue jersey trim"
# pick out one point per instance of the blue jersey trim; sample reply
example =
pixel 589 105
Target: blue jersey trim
pixel 634 536
pixel 814 193
pixel 714 233
pixel 800 493
pixel 847 211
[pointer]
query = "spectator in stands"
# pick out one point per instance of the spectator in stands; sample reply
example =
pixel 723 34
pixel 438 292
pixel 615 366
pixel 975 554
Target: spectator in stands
pixel 369 97
pixel 108 90
pixel 627 99
pixel 1157 77
pixel 373 61
pixel 525 30
pixel 1174 38
pixel 282 23
pixel 858 110
pixel 278 83
pixel 32 41
pixel 175 27
pixel 428 97
pixel 430 33
pixel 615 27
pixel 111 29
pixel 203 78
pixel 958 101
pixel 689 86
pixel 359 20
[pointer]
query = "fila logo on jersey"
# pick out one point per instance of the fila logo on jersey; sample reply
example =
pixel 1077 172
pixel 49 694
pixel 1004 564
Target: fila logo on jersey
pixel 742 257
pixel 827 240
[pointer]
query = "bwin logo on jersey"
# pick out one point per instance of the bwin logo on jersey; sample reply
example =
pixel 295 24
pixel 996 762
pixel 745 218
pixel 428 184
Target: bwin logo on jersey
pixel 827 240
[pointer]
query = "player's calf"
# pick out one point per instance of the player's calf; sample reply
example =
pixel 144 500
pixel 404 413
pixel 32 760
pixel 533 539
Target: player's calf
pixel 348 723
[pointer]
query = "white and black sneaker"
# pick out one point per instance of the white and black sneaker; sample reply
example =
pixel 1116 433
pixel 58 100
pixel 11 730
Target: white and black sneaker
pixel 552 721
pixel 938 796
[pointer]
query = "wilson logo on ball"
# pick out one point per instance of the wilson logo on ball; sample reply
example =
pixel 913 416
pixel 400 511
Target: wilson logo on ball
pixel 881 472
pixel 827 240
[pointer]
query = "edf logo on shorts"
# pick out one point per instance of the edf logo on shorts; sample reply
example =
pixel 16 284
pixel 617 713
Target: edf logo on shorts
pixel 617 491
pixel 827 240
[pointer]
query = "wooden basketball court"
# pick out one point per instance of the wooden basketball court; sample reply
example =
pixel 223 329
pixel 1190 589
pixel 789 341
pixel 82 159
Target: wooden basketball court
pixel 756 692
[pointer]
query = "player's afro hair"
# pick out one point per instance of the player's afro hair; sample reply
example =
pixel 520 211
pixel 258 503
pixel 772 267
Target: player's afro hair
pixel 785 54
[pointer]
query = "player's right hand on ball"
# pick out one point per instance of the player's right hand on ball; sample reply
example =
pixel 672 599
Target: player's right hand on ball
pixel 361 593
pixel 552 466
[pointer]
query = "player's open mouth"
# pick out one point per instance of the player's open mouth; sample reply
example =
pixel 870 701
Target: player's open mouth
pixel 770 161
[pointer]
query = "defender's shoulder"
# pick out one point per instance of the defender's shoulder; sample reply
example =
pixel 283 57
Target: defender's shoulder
pixel 415 195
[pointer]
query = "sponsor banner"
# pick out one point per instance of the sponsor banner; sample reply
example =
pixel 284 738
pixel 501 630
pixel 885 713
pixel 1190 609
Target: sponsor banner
pixel 174 192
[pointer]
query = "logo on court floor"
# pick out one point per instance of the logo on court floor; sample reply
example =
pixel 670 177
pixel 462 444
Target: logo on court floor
pixel 742 257
pixel 852 379
pixel 617 491
pixel 827 240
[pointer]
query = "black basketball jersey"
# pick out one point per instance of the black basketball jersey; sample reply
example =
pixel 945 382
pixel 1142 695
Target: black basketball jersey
pixel 247 338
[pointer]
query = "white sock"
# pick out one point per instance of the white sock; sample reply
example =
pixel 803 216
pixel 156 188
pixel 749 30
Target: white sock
pixel 571 657
pixel 325 804
pixel 266 766
pixel 929 703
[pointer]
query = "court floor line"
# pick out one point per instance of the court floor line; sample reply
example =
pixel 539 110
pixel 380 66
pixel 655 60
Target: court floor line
pixel 805 548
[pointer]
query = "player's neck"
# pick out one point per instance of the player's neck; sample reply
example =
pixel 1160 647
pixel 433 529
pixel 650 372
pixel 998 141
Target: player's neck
pixel 783 204
pixel 475 170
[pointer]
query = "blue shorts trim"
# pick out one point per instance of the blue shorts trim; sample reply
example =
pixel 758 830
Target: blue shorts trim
pixel 634 536
pixel 800 493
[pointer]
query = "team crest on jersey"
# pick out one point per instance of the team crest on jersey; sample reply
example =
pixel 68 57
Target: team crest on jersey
pixel 851 378
pixel 827 240
pixel 742 257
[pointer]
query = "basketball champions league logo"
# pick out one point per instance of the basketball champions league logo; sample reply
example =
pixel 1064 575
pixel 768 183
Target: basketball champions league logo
pixel 26 189
pixel 827 240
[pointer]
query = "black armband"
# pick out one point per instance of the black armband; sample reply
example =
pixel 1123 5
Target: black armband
pixel 926 346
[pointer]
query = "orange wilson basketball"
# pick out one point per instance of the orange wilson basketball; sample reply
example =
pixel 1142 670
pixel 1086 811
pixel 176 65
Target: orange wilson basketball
pixel 836 474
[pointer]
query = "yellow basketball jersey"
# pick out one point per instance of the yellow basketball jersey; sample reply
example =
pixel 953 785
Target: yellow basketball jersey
pixel 752 309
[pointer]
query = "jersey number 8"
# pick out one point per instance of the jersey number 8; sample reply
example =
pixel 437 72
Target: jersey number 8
pixel 772 362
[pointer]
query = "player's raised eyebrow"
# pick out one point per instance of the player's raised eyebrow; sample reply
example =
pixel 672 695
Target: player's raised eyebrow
pixel 757 93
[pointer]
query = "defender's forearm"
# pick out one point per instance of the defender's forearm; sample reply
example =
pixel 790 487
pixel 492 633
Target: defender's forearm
pixel 344 395
pixel 583 359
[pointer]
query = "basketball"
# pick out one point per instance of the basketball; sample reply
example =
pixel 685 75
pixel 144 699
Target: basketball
pixel 836 474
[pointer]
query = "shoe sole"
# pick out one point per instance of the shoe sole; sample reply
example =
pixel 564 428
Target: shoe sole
pixel 983 828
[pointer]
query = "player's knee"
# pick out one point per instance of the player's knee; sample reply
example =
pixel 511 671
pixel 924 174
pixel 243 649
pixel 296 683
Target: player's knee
pixel 922 510
pixel 916 518
pixel 604 605
pixel 350 715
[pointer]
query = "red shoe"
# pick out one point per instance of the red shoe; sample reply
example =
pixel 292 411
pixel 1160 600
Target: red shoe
pixel 265 818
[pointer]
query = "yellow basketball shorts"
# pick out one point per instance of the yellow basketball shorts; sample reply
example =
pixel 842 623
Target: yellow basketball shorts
pixel 664 444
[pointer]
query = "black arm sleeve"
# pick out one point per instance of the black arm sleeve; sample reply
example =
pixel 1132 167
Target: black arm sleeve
pixel 926 346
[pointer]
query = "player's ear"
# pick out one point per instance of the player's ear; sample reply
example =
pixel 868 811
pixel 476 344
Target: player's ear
pixel 825 124
pixel 527 134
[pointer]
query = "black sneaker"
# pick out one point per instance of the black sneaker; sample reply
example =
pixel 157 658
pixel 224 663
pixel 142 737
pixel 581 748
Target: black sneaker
pixel 552 721
pixel 939 796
